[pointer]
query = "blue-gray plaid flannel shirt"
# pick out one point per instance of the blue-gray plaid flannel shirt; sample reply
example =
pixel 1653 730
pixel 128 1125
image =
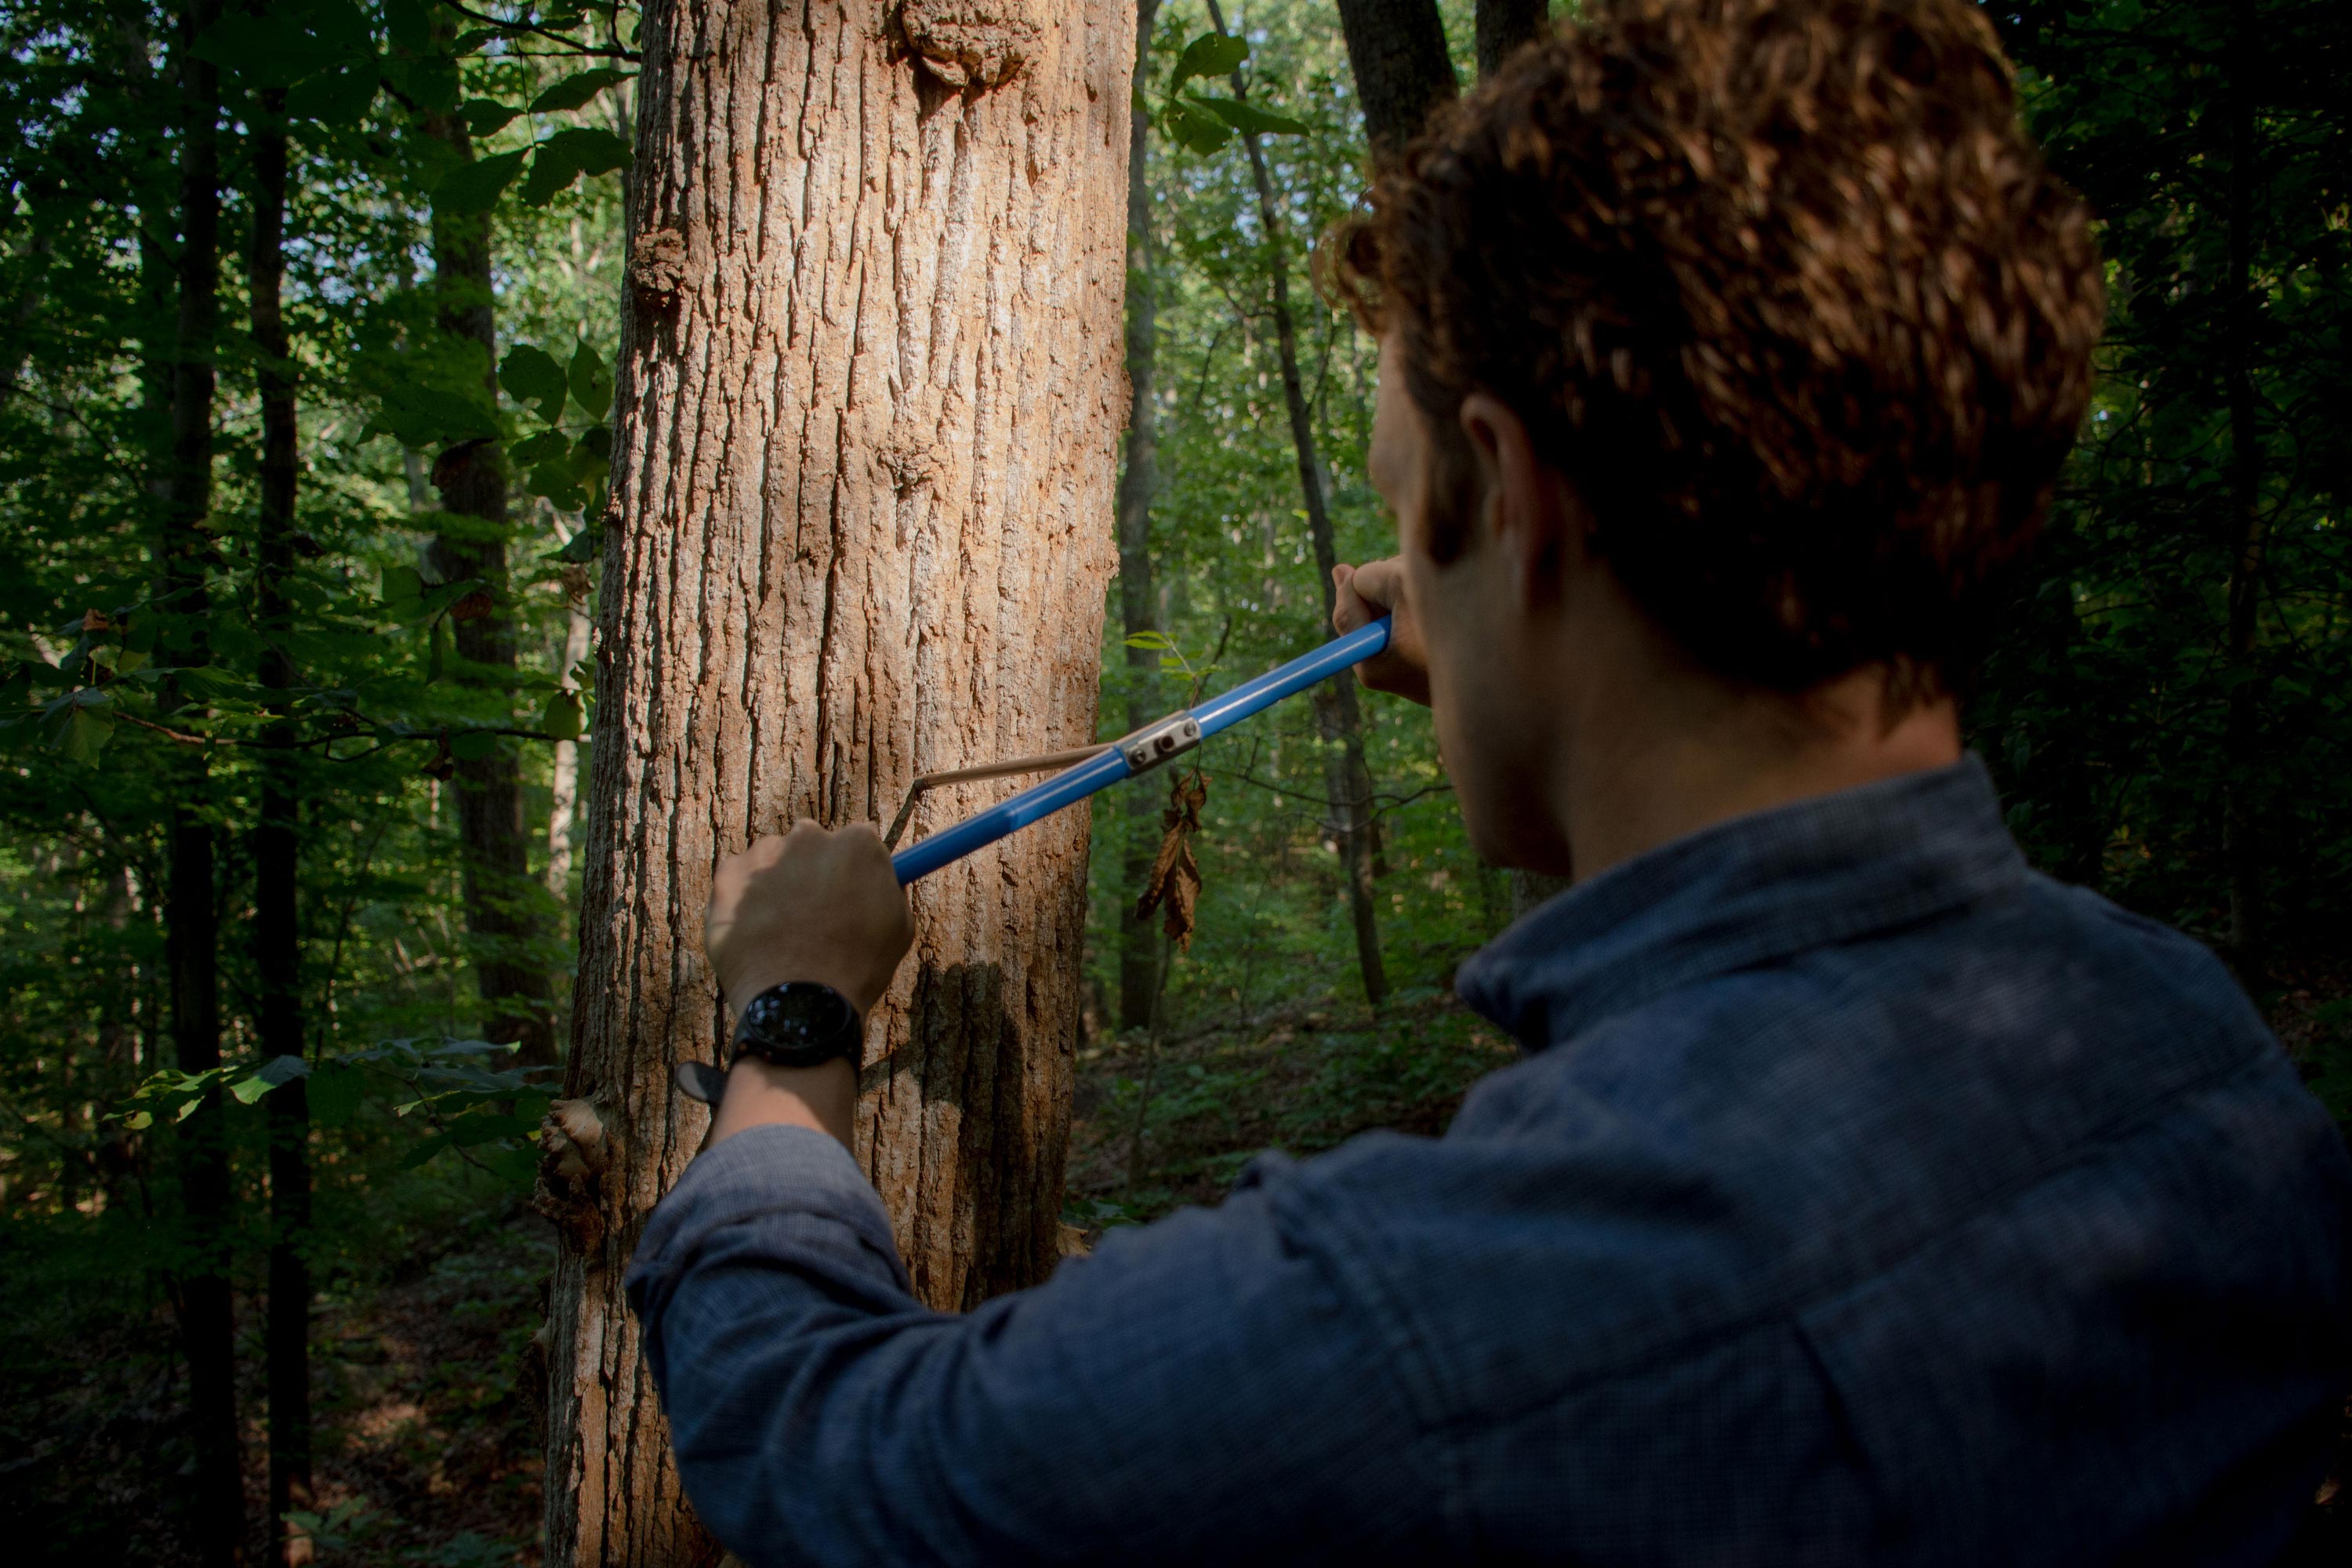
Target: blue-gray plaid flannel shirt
pixel 1862 1196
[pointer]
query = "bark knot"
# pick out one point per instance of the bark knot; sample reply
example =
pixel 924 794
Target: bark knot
pixel 909 464
pixel 970 44
pixel 657 267
pixel 573 1150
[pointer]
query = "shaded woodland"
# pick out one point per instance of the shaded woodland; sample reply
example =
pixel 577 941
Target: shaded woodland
pixel 317 321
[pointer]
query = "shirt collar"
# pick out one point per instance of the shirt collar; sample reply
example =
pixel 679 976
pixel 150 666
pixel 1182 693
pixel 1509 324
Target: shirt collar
pixel 1746 892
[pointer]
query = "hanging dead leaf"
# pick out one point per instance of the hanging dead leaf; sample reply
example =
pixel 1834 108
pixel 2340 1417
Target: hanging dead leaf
pixel 475 607
pixel 1174 888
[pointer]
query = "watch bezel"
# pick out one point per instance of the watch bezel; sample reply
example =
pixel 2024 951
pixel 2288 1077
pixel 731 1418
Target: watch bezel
pixel 777 1027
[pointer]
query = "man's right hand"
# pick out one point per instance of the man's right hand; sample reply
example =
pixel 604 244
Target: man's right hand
pixel 1365 594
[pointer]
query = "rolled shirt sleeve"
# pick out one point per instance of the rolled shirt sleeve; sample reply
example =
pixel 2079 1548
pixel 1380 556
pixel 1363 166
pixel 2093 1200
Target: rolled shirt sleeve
pixel 1206 1384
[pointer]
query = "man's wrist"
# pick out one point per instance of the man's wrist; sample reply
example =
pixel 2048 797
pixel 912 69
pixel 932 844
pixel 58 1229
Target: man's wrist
pixel 762 1094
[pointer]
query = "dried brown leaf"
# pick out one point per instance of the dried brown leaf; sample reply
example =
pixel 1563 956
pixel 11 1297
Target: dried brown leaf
pixel 1174 887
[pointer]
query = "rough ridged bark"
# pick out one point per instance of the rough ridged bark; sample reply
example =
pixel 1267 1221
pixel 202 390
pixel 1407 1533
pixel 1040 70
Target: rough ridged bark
pixel 869 402
pixel 1503 25
pixel 501 901
pixel 1396 51
pixel 277 849
pixel 192 917
pixel 1139 934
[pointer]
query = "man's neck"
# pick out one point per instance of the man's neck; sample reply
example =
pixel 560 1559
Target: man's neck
pixel 1656 760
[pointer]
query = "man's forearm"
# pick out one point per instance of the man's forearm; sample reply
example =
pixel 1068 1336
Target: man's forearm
pixel 761 1094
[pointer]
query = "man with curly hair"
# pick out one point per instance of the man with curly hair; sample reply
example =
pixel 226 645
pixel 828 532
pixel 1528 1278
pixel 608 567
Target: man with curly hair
pixel 1863 1196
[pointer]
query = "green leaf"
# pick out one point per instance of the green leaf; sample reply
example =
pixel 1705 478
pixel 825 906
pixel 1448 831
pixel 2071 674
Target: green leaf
pixel 339 97
pixel 407 24
pixel 583 546
pixel 1197 129
pixel 273 1073
pixel 575 90
pixel 433 82
pixel 1151 639
pixel 553 169
pixel 336 1090
pixel 422 415
pixel 477 1127
pixel 532 375
pixel 87 728
pixel 592 383
pixel 562 717
pixel 553 479
pixel 424 1151
pixel 1249 117
pixel 404 586
pixel 265 52
pixel 519 1166
pixel 472 745
pixel 595 150
pixel 483 115
pixel 587 461
pixel 1211 54
pixel 547 443
pixel 341 23
pixel 475 187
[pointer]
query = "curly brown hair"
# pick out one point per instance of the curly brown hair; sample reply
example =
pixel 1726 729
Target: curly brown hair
pixel 1785 290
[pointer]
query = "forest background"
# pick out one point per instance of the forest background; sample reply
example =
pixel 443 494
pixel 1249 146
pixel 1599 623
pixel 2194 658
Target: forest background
pixel 303 398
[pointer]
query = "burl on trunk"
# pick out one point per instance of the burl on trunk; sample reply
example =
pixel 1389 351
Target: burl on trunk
pixel 870 393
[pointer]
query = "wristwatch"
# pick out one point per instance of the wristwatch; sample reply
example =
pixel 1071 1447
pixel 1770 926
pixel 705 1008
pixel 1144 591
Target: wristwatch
pixel 799 1024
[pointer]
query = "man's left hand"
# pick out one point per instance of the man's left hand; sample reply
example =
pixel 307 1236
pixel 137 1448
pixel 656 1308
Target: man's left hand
pixel 814 904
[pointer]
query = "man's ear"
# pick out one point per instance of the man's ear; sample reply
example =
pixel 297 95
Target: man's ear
pixel 1519 508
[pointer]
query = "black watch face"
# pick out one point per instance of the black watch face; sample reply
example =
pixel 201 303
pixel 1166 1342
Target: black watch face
pixel 799 1024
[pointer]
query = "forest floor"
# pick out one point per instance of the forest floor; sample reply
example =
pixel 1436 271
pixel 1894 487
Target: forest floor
pixel 427 1453
pixel 428 1446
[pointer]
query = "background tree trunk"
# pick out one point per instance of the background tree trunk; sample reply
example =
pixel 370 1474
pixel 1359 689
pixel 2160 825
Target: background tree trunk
pixel 501 901
pixel 192 912
pixel 1396 51
pixel 1338 713
pixel 1139 941
pixel 277 846
pixel 869 404
pixel 563 780
pixel 1503 25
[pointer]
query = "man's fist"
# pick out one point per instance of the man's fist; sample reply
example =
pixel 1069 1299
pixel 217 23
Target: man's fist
pixel 811 905
pixel 1365 594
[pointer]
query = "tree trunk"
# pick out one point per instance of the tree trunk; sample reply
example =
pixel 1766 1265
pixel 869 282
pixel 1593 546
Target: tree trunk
pixel 2243 741
pixel 1396 50
pixel 869 404
pixel 563 782
pixel 1138 937
pixel 1503 25
pixel 277 845
pixel 501 901
pixel 1347 777
pixel 192 916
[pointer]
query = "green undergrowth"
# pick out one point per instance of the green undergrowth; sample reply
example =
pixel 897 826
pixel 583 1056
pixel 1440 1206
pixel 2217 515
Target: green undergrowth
pixel 1156 1126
